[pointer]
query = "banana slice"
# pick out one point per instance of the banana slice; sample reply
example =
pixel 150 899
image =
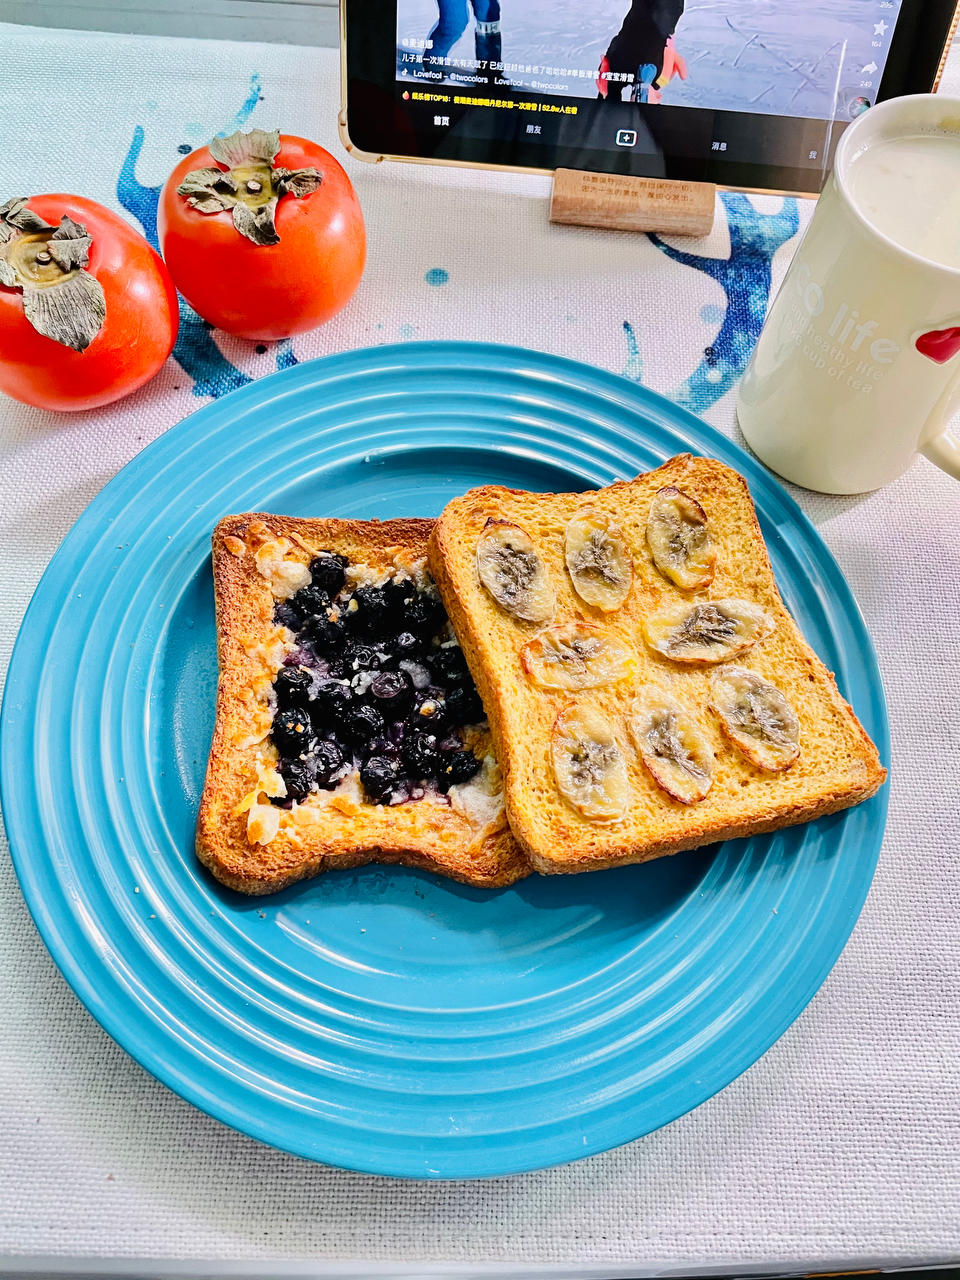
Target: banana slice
pixel 710 631
pixel 576 655
pixel 678 535
pixel 598 561
pixel 589 765
pixel 511 570
pixel 757 718
pixel 672 745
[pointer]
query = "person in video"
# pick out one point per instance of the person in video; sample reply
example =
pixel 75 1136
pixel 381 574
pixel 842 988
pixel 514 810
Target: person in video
pixel 450 26
pixel 644 49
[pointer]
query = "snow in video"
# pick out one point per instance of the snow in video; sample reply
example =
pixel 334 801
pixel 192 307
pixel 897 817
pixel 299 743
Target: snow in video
pixel 814 58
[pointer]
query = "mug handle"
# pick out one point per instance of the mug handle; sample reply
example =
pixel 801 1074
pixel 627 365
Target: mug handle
pixel 945 452
pixel 943 449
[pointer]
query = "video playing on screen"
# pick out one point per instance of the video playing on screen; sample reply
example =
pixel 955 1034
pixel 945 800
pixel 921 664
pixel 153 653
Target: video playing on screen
pixel 819 59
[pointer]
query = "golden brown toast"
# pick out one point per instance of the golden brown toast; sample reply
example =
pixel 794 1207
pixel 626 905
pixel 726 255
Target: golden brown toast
pixel 253 845
pixel 636 795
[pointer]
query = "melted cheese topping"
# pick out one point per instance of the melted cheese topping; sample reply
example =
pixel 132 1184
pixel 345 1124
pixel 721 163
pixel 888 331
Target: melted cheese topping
pixel 480 800
pixel 347 797
pixel 263 823
pixel 285 573
pixel 361 575
pixel 417 569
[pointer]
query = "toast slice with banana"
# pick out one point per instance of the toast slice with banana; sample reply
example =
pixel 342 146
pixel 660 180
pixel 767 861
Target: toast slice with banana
pixel 647 689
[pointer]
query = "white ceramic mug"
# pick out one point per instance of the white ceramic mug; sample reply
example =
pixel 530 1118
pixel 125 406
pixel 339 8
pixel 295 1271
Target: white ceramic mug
pixel 858 365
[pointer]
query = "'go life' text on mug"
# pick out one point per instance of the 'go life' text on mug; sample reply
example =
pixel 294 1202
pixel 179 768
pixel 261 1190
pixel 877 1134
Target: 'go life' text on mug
pixel 841 342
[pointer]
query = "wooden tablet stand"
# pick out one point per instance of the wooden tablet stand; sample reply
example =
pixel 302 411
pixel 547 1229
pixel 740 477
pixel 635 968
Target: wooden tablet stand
pixel 621 203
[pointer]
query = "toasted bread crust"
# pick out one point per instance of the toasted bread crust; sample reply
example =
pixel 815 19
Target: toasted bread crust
pixel 345 832
pixel 838 766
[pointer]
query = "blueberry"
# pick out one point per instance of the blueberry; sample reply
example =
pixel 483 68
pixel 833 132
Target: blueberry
pixel 331 702
pixel 363 658
pixel 420 755
pixel 292 732
pixel 392 693
pixel 325 636
pixel 398 592
pixel 328 573
pixel 449 664
pixel 459 766
pixel 373 615
pixel 286 614
pixel 298 777
pixel 380 776
pixel 329 760
pixel 464 706
pixel 417 671
pixel 311 602
pixel 405 645
pixel 292 687
pixel 361 724
pixel 429 712
pixel 424 615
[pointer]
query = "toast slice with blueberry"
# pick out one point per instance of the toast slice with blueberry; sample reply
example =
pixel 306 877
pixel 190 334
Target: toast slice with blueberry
pixel 348 729
pixel 648 691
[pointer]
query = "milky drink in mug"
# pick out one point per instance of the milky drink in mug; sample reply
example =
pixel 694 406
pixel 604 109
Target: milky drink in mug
pixel 858 364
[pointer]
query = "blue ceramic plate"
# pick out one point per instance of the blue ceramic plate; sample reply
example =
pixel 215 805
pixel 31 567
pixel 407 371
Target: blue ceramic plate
pixel 384 1019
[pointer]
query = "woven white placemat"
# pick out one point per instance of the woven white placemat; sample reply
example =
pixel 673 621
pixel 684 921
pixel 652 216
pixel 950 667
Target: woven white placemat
pixel 843 1142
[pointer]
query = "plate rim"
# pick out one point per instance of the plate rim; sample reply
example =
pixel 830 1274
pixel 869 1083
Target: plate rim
pixel 463 355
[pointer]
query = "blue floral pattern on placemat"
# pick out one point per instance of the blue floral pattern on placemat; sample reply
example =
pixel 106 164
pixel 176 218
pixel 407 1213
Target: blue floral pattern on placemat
pixel 745 276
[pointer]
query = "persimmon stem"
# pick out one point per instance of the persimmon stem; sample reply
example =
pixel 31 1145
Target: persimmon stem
pixel 249 183
pixel 61 299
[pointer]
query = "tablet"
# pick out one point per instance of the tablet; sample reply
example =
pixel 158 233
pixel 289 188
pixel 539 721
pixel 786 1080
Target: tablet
pixel 752 94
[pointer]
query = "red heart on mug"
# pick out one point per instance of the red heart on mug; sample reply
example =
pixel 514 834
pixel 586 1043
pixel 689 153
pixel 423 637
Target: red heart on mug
pixel 939 344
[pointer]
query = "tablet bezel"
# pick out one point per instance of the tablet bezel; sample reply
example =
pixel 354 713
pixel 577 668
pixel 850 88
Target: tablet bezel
pixel 375 125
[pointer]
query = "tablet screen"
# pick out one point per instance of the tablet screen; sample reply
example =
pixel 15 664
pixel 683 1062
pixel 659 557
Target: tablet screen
pixel 745 92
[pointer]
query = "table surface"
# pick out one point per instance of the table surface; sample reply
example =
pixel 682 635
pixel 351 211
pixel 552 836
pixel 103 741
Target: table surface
pixel 842 1145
